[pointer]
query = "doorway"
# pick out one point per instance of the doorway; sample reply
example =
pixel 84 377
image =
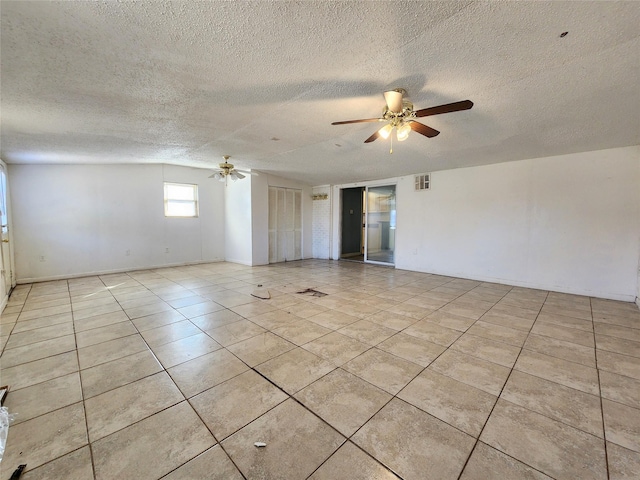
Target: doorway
pixel 6 266
pixel 369 224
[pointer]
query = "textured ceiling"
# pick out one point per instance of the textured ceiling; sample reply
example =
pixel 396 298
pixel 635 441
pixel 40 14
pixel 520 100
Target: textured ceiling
pixel 187 82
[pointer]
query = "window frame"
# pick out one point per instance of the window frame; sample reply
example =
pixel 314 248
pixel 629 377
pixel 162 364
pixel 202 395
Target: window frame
pixel 168 200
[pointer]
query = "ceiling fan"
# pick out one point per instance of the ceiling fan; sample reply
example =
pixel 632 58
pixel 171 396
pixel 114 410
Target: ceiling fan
pixel 227 170
pixel 399 114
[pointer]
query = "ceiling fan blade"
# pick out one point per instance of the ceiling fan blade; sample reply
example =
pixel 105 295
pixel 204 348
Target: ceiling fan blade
pixel 364 120
pixel 394 101
pixel 239 175
pixel 248 172
pixel 373 137
pixel 216 175
pixel 423 129
pixel 449 107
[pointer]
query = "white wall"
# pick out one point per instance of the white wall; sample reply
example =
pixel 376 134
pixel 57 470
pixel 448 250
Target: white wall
pixel 237 218
pixel 321 228
pixel 568 223
pixel 83 219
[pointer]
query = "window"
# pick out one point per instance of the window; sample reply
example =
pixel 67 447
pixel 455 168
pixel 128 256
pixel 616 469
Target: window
pixel 180 200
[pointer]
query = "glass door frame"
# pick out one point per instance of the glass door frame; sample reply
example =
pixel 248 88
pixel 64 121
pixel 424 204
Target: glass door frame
pixel 366 223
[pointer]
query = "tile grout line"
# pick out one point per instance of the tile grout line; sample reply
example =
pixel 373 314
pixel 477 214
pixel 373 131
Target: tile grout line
pixel 604 430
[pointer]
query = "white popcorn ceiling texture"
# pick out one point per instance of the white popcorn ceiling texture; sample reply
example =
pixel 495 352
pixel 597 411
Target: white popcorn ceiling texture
pixel 187 82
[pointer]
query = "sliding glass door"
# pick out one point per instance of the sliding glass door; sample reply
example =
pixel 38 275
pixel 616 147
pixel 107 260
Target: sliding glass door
pixel 380 238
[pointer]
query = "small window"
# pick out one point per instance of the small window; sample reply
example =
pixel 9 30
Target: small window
pixel 180 200
pixel 422 182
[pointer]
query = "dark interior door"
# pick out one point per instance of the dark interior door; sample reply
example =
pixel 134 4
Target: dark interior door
pixel 351 221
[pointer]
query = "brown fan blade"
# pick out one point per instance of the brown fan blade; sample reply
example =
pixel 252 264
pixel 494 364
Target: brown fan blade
pixel 373 137
pixel 423 129
pixel 448 108
pixel 364 120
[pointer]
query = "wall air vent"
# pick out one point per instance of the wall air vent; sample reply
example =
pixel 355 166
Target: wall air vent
pixel 422 182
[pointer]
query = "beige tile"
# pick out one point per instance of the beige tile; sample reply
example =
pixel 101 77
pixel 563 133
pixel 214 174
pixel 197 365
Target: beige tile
pixel 567 334
pixel 41 398
pixel 260 348
pixel 343 400
pixel 367 332
pixel 561 349
pixel 305 309
pixel 586 325
pixel 297 443
pixel 214 464
pixel 458 404
pixel 333 319
pixel 152 447
pixel 487 462
pixel 43 312
pixel 301 331
pixel 624 464
pixel 618 331
pixel 620 389
pixel 249 310
pixel 414 444
pixel 111 350
pixel 414 349
pixel 174 353
pixel 450 320
pixel 384 370
pixel 199 309
pixel 157 320
pixel 170 333
pixel 99 320
pixel 295 369
pixel 506 320
pixel 25 325
pixel 560 371
pixel 487 376
pixel 144 310
pixel 39 335
pixel 27 374
pixel 392 320
pixel 82 316
pixel 480 347
pixel 554 448
pixel 119 372
pixel 499 333
pixel 37 351
pixel 410 310
pixel 104 334
pixel 603 342
pixel 433 333
pixel 470 310
pixel 352 463
pixel 336 348
pixel 231 405
pixel 188 301
pixel 621 424
pixel 235 332
pixel 216 319
pixel 567 405
pixel 206 371
pixel 360 310
pixel 119 408
pixel 45 438
pixel 620 364
pixel 72 466
pixel 566 311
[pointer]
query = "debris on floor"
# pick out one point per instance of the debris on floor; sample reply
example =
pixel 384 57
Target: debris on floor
pixel 260 444
pixel 3 394
pixel 261 293
pixel 313 292
pixel 17 472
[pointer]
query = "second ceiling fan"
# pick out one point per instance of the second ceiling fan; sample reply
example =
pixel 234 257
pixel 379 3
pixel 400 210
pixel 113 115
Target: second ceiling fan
pixel 400 115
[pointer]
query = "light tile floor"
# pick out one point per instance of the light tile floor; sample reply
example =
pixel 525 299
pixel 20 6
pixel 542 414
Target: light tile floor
pixel 175 373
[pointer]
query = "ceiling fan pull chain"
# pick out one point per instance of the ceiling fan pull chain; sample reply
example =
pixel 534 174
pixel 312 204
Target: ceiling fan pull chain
pixel 391 143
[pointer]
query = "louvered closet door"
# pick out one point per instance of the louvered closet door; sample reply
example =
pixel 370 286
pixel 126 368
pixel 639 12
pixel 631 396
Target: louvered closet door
pixel 285 224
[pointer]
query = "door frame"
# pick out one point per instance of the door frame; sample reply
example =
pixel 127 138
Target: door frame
pixel 10 282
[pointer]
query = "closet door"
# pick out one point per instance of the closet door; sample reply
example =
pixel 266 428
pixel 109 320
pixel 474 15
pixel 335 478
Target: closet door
pixel 285 224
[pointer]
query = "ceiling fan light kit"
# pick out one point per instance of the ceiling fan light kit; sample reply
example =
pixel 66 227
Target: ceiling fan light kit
pixel 400 115
pixel 227 170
